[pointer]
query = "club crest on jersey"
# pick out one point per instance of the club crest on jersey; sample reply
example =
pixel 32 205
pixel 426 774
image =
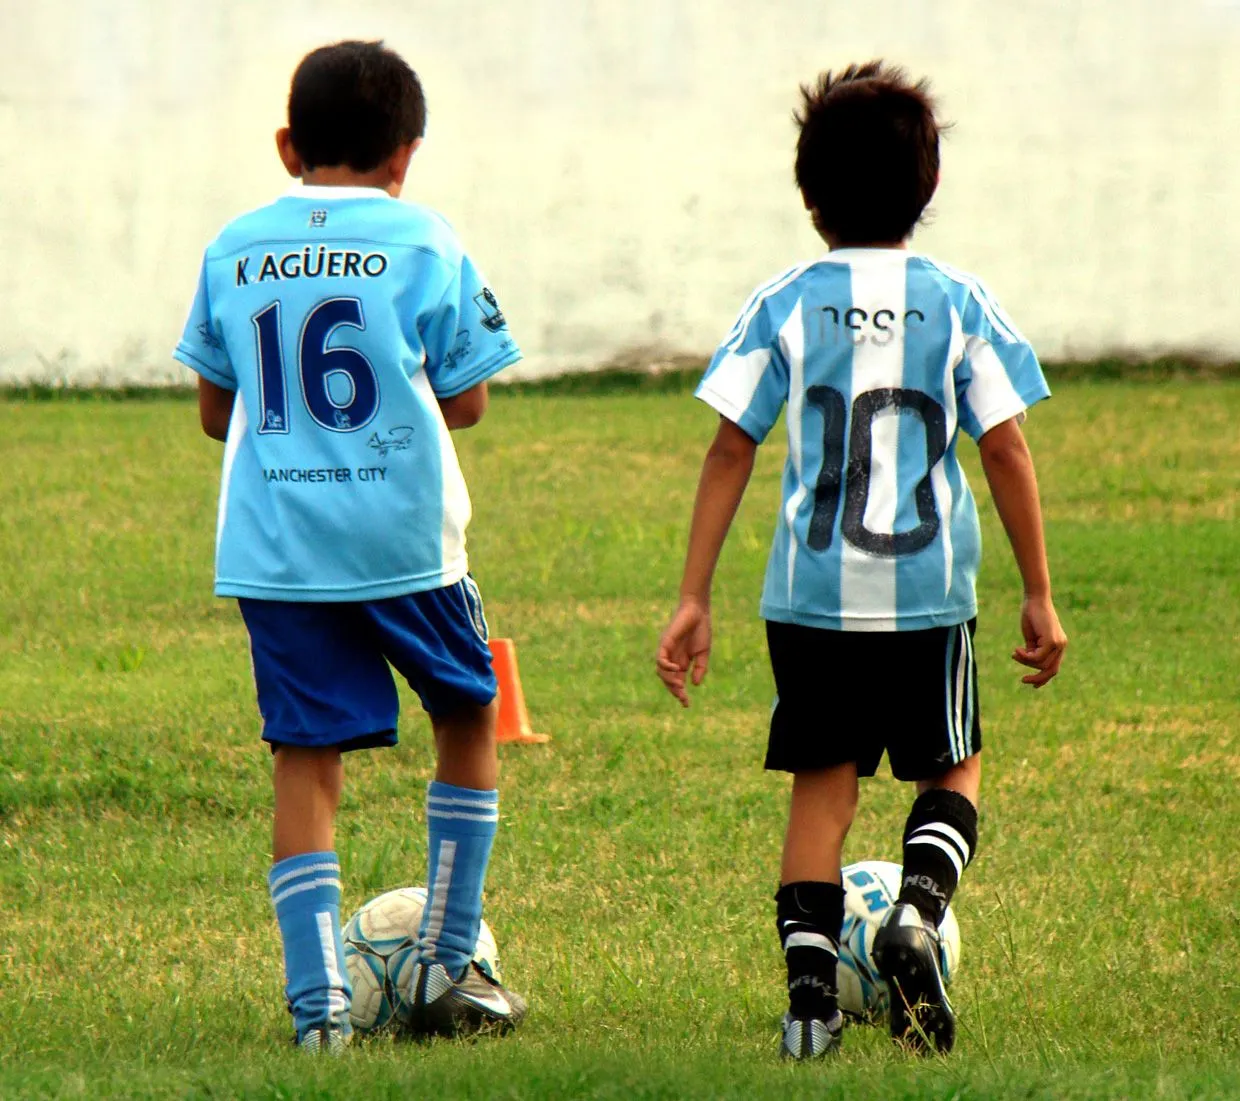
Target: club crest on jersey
pixel 492 315
pixel 318 219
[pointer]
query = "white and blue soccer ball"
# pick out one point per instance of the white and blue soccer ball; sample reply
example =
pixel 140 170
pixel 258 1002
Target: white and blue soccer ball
pixel 380 947
pixel 871 888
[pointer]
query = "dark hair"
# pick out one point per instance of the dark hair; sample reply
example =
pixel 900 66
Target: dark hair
pixel 868 152
pixel 354 103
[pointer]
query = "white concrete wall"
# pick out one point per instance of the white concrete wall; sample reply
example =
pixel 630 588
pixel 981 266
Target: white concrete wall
pixel 622 168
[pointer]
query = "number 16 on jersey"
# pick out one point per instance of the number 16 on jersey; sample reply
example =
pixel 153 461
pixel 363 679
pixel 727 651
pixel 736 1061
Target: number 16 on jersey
pixel 338 385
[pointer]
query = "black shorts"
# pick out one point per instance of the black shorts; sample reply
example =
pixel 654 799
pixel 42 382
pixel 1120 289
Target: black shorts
pixel 849 695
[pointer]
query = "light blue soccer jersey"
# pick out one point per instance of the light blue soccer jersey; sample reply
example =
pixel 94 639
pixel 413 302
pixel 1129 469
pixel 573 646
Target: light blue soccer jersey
pixel 339 316
pixel 881 356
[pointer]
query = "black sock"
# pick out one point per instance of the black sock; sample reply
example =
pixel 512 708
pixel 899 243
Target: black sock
pixel 809 917
pixel 939 840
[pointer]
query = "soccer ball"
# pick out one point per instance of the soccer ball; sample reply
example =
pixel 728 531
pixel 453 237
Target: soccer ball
pixel 380 947
pixel 870 890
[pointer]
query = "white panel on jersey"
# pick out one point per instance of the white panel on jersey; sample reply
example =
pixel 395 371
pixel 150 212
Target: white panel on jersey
pixel 880 506
pixel 237 425
pixel 939 482
pixel 792 343
pixel 754 303
pixel 868 581
pixel 457 507
pixel 991 395
pixel 995 314
pixel 733 382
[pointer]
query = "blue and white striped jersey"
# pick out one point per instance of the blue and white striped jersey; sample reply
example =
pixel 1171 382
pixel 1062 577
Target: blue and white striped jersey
pixel 340 316
pixel 881 356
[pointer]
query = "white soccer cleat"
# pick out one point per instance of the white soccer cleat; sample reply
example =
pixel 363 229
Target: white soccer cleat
pixel 810 1037
pixel 324 1039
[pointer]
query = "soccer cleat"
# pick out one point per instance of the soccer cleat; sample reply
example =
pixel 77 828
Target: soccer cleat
pixel 323 1039
pixel 906 953
pixel 810 1037
pixel 474 1003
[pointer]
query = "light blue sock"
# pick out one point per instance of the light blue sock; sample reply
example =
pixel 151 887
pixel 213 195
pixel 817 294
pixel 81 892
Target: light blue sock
pixel 460 823
pixel 305 891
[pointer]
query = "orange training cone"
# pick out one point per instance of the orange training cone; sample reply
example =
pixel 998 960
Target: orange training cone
pixel 514 720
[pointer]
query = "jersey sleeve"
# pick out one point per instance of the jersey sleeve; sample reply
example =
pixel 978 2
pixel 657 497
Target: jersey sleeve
pixel 201 347
pixel 747 380
pixel 465 335
pixel 998 376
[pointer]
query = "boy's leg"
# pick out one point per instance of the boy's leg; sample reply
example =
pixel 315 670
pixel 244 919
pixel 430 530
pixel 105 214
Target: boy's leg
pixel 324 687
pixel 810 906
pixel 450 994
pixel 305 889
pixel 941 749
pixel 438 641
pixel 940 837
pixel 462 813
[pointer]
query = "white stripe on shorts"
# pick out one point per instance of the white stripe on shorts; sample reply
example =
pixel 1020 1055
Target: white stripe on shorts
pixel 970 700
pixel 962 672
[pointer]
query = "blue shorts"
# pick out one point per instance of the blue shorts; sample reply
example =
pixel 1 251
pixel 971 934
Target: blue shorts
pixel 322 669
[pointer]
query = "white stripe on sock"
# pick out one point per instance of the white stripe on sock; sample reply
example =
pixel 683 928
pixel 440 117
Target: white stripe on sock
pixel 336 1001
pixel 811 940
pixel 478 804
pixel 296 890
pixel 308 869
pixel 439 892
pixel 938 843
pixel 950 832
pixel 449 814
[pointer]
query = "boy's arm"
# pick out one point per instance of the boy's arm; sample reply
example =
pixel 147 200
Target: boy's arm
pixel 215 406
pixel 1014 487
pixel 725 474
pixel 465 410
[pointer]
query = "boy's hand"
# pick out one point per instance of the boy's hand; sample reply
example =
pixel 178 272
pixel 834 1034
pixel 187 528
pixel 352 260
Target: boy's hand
pixel 1045 641
pixel 685 643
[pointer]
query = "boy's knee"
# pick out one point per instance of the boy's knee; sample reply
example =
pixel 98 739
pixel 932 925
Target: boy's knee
pixel 964 777
pixel 467 716
pixel 317 766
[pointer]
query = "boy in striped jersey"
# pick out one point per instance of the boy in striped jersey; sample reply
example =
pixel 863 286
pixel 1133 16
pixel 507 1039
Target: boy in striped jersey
pixel 882 357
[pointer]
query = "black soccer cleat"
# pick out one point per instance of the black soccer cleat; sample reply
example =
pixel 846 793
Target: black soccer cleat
pixel 906 953
pixel 810 1037
pixel 475 1003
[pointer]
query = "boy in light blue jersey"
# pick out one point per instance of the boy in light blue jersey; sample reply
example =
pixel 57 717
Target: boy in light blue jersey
pixel 339 336
pixel 882 357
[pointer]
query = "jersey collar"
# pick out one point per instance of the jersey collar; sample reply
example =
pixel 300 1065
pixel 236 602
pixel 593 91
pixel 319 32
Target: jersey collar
pixel 318 191
pixel 850 253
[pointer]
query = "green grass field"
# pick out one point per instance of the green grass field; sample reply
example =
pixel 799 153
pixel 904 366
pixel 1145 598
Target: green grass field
pixel 632 880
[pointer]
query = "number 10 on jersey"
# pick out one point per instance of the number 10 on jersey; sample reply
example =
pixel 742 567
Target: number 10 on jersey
pixel 852 482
